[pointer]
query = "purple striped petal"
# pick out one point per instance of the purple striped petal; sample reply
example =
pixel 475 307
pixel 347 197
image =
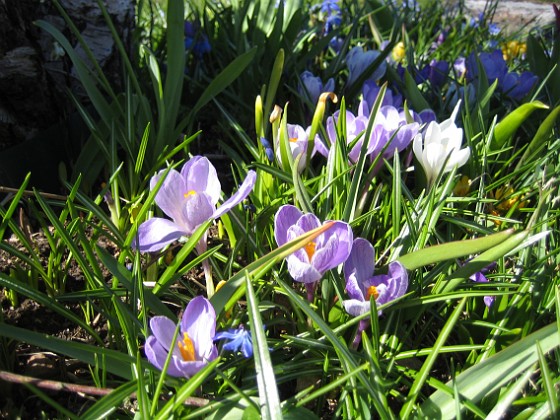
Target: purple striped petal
pixel 285 217
pixel 242 193
pixel 155 233
pixel 361 260
pixel 171 194
pixel 301 271
pixel 199 322
pixel 356 307
pixel 200 176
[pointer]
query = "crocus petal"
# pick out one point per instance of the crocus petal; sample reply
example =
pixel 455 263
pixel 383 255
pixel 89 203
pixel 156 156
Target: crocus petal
pixel 200 176
pixel 198 208
pixel 354 287
pixel 400 275
pixel 186 369
pixel 356 307
pixel 285 217
pixel 337 248
pixel 361 261
pixel 460 157
pixel 157 356
pixel 301 271
pixel 170 196
pixel 155 233
pixel 199 322
pixel 163 330
pixel 155 352
pixel 239 196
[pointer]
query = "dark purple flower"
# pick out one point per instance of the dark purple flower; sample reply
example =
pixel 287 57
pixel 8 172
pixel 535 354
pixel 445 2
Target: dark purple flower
pixel 312 86
pixel 189 198
pixel 436 72
pixel 359 60
pixel 195 346
pixel 328 250
pixel 517 86
pixel 361 284
pixel 195 40
pixel 239 340
pixel 493 63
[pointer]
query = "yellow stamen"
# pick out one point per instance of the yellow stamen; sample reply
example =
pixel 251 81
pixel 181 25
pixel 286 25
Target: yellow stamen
pixel 191 192
pixel 293 140
pixel 310 249
pixel 187 348
pixel 372 291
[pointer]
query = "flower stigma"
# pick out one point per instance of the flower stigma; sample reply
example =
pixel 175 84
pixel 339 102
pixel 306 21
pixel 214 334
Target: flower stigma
pixel 187 348
pixel 310 249
pixel 372 291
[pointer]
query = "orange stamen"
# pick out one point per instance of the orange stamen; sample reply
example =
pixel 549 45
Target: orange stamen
pixel 191 192
pixel 310 249
pixel 372 291
pixel 293 140
pixel 187 348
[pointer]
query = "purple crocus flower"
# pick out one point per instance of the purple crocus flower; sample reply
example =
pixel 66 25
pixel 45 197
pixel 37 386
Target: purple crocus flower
pixel 239 340
pixel 298 138
pixel 331 248
pixel 370 91
pixel 189 198
pixel 390 125
pixel 355 125
pixel 480 277
pixel 312 86
pixel 493 63
pixel 517 86
pixel 361 284
pixel 436 72
pixel 195 346
pixel 359 60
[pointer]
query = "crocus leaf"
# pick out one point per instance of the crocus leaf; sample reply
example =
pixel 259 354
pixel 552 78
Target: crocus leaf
pixel 266 381
pixel 497 371
pixel 541 136
pixel 509 125
pixel 413 94
pixel 451 250
pixel 478 263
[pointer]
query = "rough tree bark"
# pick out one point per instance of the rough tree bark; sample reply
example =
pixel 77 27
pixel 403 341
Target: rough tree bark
pixel 36 75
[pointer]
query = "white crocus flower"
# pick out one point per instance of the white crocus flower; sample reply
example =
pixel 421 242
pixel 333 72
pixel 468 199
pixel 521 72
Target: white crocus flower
pixel 438 149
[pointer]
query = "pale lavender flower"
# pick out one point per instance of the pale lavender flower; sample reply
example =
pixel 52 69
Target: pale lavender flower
pixel 239 340
pixel 298 138
pixel 331 248
pixel 361 284
pixel 355 126
pixel 189 198
pixel 391 126
pixel 195 346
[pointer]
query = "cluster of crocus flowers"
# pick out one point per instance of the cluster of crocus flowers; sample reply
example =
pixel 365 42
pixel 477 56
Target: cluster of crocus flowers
pixel 189 198
pixel 195 341
pixel 194 347
pixel 310 263
pixel 438 148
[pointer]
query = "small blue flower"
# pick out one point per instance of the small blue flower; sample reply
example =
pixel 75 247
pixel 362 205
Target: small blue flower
pixel 239 340
pixel 267 149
